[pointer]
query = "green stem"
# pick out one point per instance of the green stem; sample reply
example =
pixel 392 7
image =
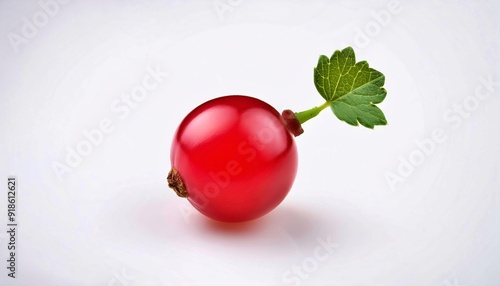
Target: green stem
pixel 305 115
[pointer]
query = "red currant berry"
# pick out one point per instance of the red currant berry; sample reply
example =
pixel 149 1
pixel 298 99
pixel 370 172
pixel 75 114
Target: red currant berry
pixel 234 158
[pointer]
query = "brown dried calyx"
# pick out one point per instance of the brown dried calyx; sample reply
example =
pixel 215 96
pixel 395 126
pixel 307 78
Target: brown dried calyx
pixel 175 182
pixel 291 122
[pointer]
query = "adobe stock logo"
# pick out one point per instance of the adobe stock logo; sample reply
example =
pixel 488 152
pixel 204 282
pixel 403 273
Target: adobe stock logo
pixel 122 107
pixel 121 278
pixel 310 264
pixel 427 146
pixel 373 28
pixel 30 28
pixel 223 6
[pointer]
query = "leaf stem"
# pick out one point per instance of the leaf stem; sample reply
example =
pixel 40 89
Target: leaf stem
pixel 305 115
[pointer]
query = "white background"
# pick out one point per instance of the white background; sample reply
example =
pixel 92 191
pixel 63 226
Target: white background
pixel 113 221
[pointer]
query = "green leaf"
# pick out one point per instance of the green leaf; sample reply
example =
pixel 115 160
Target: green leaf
pixel 351 88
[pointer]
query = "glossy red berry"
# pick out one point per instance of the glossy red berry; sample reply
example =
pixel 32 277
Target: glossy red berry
pixel 233 158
